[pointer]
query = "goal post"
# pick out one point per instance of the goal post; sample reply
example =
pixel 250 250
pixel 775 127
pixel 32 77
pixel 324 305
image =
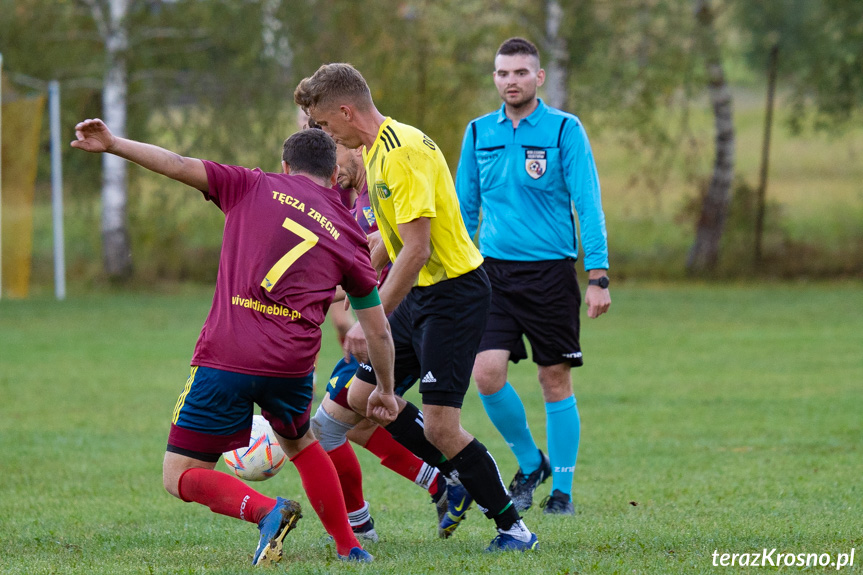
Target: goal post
pixel 20 133
pixel 21 117
pixel 1 175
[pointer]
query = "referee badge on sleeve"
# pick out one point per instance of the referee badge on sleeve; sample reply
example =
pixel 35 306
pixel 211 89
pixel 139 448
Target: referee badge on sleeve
pixel 534 163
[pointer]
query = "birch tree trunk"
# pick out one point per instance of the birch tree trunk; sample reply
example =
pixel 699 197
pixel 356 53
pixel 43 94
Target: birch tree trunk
pixel 275 38
pixel 110 17
pixel 704 254
pixel 556 69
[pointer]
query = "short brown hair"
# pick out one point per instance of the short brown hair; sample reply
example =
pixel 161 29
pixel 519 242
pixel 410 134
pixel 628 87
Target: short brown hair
pixel 518 45
pixel 333 82
pixel 312 152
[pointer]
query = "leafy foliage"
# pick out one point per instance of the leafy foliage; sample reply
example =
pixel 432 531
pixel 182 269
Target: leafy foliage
pixel 820 56
pixel 215 78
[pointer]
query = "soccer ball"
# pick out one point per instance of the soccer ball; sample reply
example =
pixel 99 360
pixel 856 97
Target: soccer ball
pixel 262 459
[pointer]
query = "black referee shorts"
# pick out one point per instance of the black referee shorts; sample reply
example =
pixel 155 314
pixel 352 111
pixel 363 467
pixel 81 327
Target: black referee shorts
pixel 436 331
pixel 540 300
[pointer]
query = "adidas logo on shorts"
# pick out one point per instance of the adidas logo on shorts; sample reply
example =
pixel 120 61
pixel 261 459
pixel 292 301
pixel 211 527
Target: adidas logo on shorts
pixel 429 378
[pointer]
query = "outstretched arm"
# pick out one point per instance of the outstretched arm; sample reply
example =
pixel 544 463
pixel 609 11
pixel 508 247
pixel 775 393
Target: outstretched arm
pixel 94 136
pixel 382 404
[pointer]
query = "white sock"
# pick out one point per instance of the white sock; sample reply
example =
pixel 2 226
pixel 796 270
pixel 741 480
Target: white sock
pixel 357 518
pixel 426 476
pixel 518 530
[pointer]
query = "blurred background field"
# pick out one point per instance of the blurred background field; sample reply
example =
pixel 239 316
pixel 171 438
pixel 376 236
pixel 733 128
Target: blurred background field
pixel 814 220
pixel 638 74
pixel 713 418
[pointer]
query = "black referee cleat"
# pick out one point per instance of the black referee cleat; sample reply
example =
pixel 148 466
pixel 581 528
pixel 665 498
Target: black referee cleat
pixel 522 487
pixel 558 503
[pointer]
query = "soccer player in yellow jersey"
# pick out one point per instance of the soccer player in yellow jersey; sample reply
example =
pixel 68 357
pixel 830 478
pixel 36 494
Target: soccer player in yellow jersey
pixel 437 297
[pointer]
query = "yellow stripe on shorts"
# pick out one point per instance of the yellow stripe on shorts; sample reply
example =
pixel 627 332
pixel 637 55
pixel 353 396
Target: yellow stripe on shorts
pixel 182 399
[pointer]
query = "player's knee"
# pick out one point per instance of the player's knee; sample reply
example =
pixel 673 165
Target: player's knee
pixel 488 379
pixel 437 435
pixel 556 383
pixel 330 432
pixel 485 382
pixel 480 374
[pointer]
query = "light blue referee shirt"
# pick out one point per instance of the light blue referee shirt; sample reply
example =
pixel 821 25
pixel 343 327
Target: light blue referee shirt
pixel 526 181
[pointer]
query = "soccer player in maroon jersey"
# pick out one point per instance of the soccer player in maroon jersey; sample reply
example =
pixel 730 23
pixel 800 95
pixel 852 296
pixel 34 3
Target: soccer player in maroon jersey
pixel 288 242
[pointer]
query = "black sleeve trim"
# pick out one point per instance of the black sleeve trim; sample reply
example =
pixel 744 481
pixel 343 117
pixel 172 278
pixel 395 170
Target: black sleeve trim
pixel 560 133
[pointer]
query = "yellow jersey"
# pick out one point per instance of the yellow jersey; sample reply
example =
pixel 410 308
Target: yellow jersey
pixel 408 179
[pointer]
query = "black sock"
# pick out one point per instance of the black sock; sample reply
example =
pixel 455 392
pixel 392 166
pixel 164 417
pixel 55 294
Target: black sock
pixel 478 472
pixel 408 430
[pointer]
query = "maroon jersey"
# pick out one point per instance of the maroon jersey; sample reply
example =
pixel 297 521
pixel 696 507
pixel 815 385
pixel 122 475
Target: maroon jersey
pixel 345 195
pixel 287 244
pixel 363 212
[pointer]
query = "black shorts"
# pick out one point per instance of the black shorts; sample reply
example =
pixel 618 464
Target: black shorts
pixel 436 331
pixel 540 300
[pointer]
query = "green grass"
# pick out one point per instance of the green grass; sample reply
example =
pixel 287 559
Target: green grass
pixel 713 418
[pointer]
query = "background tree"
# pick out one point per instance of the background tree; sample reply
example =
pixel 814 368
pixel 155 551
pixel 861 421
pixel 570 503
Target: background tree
pixel 215 78
pixel 111 18
pixel 815 50
pixel 556 67
pixel 704 254
pixel 165 72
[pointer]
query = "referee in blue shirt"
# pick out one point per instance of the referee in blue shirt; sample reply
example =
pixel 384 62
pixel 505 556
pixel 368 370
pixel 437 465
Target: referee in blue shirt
pixel 524 168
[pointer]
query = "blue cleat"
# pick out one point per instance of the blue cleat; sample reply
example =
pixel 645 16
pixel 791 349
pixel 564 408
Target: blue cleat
pixel 458 502
pixel 274 526
pixel 357 555
pixel 506 542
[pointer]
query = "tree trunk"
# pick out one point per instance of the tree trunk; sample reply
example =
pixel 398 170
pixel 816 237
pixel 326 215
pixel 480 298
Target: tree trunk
pixel 275 38
pixel 704 254
pixel 556 70
pixel 115 233
pixel 760 207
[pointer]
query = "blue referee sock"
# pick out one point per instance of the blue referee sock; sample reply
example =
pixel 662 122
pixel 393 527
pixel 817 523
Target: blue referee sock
pixel 506 412
pixel 564 428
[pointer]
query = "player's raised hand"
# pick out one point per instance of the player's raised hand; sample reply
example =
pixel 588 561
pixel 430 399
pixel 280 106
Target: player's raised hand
pixel 93 136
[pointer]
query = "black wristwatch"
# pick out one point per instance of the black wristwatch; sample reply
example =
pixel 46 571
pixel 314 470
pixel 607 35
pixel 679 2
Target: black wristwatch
pixel 601 282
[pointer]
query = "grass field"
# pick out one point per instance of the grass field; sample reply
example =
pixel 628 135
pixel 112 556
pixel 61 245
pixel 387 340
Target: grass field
pixel 713 418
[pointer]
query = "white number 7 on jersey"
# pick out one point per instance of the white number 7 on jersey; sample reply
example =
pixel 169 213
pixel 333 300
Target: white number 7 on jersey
pixel 278 270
